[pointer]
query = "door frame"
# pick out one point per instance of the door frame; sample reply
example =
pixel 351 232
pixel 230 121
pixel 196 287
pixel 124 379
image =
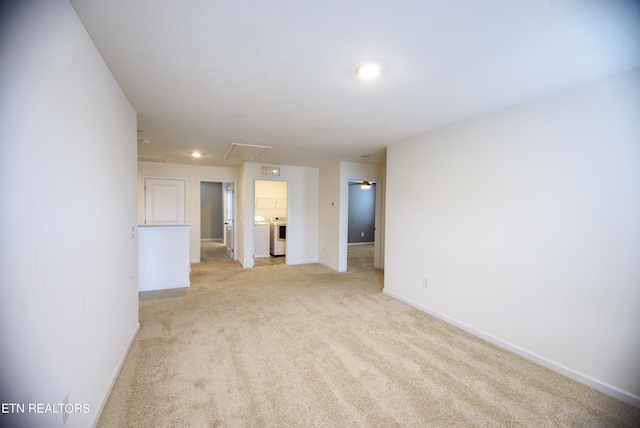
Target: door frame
pixel 235 212
pixel 221 202
pixel 225 208
pixel 377 259
pixel 253 210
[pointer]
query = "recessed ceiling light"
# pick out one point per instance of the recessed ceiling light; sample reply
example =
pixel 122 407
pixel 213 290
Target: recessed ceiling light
pixel 369 71
pixel 196 154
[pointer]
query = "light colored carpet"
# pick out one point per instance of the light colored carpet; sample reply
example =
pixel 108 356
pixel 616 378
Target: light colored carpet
pixel 304 346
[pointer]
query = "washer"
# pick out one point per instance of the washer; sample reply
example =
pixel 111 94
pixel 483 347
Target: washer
pixel 278 245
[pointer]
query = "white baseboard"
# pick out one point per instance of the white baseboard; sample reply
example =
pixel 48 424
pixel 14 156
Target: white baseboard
pixel 303 262
pixel 97 414
pixel 211 239
pixel 164 286
pixel 351 244
pixel 329 266
pixel 611 390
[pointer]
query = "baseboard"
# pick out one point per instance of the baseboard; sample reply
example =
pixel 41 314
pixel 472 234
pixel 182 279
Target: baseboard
pixel 611 390
pixel 296 263
pixel 166 286
pixel 352 244
pixel 329 266
pixel 96 419
pixel 211 239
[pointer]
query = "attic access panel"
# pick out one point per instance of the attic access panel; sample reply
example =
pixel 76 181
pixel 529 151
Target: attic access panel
pixel 247 152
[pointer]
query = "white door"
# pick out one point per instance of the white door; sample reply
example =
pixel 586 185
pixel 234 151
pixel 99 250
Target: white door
pixel 165 201
pixel 228 219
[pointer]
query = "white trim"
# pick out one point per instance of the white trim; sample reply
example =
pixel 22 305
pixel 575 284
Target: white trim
pixel 329 266
pixel 305 262
pixel 225 185
pixel 252 207
pixel 351 244
pixel 97 414
pixel 344 201
pixel 613 391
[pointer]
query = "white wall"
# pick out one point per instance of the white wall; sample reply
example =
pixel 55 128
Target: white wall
pixel 334 210
pixel 351 171
pixel 302 218
pixel 244 231
pixel 527 224
pixel 68 262
pixel 194 175
pixel 270 199
pixel 329 212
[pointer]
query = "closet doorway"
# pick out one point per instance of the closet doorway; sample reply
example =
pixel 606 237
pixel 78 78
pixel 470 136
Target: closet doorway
pixel 216 221
pixel 270 222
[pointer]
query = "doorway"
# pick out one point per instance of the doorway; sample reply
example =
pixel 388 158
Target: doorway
pixel 216 220
pixel 211 212
pixel 229 236
pixel 361 225
pixel 270 222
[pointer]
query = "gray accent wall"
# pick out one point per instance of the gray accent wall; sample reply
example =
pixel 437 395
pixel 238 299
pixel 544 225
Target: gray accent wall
pixel 362 209
pixel 211 211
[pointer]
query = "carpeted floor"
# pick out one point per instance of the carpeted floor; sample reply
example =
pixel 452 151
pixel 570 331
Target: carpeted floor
pixel 302 346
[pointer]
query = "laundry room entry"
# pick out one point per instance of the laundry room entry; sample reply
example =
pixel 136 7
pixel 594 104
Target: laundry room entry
pixel 270 208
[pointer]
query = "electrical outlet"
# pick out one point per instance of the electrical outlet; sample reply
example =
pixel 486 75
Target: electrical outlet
pixel 361 233
pixel 425 282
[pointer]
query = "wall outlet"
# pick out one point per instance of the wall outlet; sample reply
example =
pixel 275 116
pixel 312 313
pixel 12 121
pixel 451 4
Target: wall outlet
pixel 361 233
pixel 425 282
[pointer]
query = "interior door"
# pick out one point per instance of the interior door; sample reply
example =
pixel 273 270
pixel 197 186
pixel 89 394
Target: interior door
pixel 228 220
pixel 165 201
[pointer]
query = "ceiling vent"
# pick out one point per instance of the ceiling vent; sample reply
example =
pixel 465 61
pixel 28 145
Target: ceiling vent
pixel 272 171
pixel 155 159
pixel 246 152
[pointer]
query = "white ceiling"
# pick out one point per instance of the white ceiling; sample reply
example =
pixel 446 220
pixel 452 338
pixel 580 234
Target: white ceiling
pixel 203 74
